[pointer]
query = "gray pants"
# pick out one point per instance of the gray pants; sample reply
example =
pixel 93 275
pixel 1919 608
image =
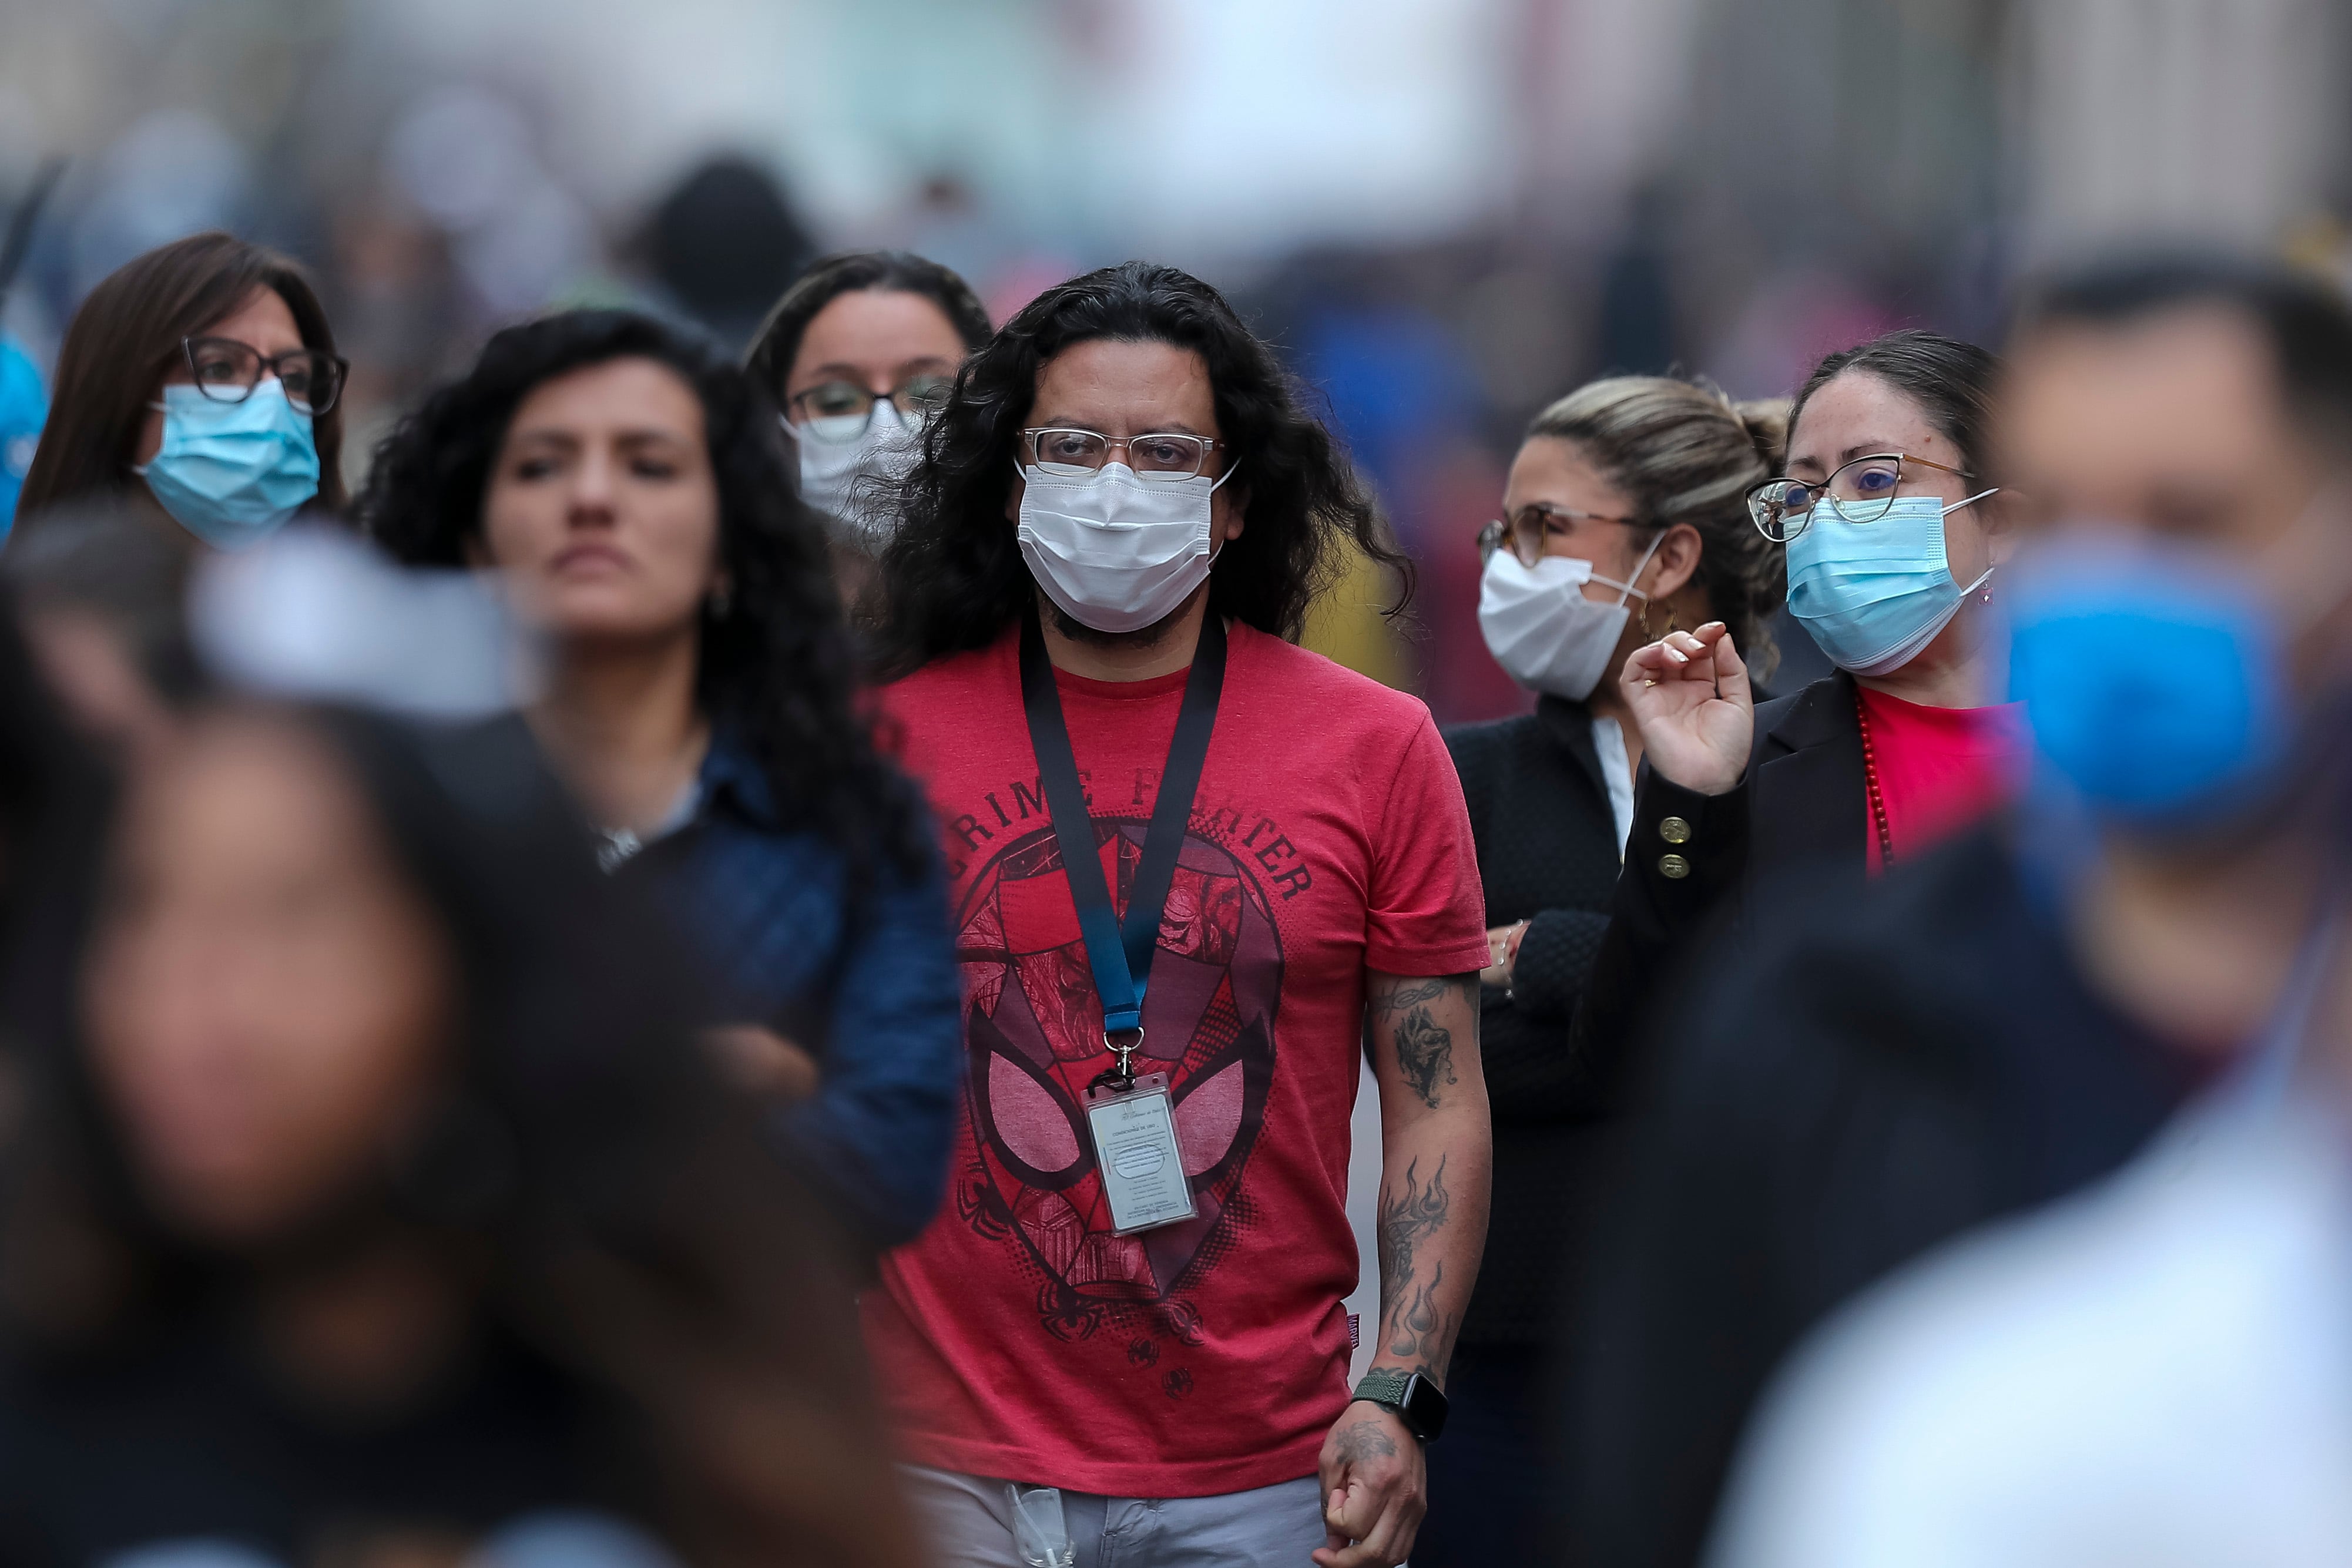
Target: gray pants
pixel 969 1520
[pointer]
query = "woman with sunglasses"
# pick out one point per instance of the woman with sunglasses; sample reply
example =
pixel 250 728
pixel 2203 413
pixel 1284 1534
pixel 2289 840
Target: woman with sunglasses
pixel 1624 517
pixel 859 353
pixel 1894 535
pixel 203 377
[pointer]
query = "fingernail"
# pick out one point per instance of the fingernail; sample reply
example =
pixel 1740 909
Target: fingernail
pixel 1678 656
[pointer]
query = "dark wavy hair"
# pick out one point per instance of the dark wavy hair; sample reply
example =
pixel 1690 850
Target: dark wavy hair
pixel 776 666
pixel 778 341
pixel 953 578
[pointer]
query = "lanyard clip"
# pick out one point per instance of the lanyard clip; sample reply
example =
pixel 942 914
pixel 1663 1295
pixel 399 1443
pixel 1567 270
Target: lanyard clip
pixel 1122 1077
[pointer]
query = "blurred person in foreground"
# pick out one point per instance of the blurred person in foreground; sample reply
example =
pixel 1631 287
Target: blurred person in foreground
pixel 2012 1020
pixel 1624 517
pixel 377 1211
pixel 629 488
pixel 859 353
pixel 2158 1371
pixel 1895 530
pixel 100 592
pixel 1192 862
pixel 200 379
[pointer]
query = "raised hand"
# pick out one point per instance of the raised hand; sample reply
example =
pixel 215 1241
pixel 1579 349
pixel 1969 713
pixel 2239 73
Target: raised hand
pixel 1691 701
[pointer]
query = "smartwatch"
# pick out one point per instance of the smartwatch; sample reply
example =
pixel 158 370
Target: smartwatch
pixel 1418 1403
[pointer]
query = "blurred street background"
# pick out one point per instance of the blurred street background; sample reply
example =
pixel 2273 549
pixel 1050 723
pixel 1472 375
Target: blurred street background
pixel 1445 211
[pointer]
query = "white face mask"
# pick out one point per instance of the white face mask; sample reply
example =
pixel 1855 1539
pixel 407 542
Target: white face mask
pixel 849 480
pixel 1115 550
pixel 1543 631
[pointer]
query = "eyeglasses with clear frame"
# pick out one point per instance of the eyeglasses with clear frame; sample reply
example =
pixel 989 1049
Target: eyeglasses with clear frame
pixel 226 370
pixel 1861 491
pixel 1526 531
pixel 840 410
pixel 1162 456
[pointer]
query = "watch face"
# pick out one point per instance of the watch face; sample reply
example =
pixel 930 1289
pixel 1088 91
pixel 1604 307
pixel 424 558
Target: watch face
pixel 1424 1407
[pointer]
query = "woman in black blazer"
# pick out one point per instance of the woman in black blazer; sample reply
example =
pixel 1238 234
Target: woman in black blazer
pixel 1624 518
pixel 1865 1072
pixel 1900 747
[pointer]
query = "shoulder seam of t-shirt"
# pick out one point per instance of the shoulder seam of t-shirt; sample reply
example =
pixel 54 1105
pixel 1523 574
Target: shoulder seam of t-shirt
pixel 1388 796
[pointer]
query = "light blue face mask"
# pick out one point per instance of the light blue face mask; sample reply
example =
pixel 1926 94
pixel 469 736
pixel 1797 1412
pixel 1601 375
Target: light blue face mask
pixel 1873 594
pixel 231 474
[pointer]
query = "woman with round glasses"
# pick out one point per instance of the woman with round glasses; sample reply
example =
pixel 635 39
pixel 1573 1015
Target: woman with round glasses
pixel 203 376
pixel 859 353
pixel 1893 534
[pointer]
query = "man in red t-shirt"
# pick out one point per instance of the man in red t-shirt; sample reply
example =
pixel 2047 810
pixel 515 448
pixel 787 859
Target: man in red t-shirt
pixel 1121 516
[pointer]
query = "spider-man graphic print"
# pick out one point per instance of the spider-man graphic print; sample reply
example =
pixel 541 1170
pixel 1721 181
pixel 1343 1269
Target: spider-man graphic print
pixel 1034 1027
pixel 1018 1337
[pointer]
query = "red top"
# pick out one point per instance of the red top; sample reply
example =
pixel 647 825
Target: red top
pixel 1018 1336
pixel 1939 769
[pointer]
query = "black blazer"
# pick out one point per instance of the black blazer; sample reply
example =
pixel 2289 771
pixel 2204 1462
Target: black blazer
pixel 1692 861
pixel 1865 1075
pixel 1547 855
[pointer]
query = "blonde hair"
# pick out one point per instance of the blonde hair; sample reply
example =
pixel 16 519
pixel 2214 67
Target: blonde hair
pixel 1685 453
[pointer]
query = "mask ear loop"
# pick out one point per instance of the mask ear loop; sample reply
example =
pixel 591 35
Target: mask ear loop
pixel 1979 583
pixel 1626 589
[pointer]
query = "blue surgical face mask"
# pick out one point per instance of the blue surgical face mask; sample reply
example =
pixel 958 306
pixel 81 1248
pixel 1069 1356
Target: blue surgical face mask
pixel 1873 594
pixel 2154 682
pixel 231 474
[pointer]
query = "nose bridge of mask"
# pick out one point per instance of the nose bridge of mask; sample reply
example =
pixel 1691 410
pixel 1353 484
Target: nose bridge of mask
pixel 1904 541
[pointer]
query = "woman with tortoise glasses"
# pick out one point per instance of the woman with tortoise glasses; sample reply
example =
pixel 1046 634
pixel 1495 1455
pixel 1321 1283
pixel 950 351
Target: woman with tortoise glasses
pixel 202 376
pixel 1623 518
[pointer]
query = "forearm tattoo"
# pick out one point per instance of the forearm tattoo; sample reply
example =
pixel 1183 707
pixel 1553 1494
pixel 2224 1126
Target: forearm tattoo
pixel 1409 1322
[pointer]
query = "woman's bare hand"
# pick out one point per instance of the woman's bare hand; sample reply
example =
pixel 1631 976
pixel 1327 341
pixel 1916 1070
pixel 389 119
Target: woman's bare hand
pixel 1691 701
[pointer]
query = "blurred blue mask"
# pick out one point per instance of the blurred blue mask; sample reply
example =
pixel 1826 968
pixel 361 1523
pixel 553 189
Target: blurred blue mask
pixel 2155 682
pixel 23 408
pixel 233 473
pixel 1873 594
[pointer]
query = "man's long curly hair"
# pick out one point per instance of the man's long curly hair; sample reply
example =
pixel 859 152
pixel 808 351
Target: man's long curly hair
pixel 776 666
pixel 953 578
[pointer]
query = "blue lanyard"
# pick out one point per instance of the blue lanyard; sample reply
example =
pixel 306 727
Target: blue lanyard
pixel 1119 953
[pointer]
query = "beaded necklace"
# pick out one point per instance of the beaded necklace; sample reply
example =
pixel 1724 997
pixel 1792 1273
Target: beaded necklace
pixel 1870 782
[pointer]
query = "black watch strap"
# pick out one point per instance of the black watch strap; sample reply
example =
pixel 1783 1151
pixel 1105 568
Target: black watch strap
pixel 1418 1403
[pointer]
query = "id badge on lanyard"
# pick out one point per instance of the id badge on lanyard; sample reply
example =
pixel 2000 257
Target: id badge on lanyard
pixel 1132 1119
pixel 1135 1151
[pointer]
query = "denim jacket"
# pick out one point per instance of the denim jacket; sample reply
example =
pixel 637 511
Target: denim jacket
pixel 868 983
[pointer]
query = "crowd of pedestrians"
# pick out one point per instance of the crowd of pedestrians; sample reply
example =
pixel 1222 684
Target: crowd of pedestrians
pixel 772 962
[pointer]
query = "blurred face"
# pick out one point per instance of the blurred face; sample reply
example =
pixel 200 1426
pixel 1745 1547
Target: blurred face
pixel 267 998
pixel 873 343
pixel 262 323
pixel 1552 482
pixel 1858 414
pixel 1123 390
pixel 2174 428
pixel 603 508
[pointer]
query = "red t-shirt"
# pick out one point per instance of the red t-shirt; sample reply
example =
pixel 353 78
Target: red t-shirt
pixel 1017 1336
pixel 1939 769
